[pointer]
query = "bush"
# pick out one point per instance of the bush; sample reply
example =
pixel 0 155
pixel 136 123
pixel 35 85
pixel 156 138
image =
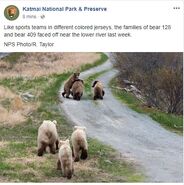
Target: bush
pixel 159 76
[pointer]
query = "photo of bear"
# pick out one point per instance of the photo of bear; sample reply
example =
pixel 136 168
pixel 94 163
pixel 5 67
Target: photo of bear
pixel 69 83
pixel 47 136
pixel 98 90
pixel 77 89
pixel 65 161
pixel 117 120
pixel 79 142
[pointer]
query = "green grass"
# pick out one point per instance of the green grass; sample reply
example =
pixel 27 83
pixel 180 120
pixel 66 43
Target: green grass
pixel 121 170
pixel 18 159
pixel 13 57
pixel 5 166
pixel 103 58
pixel 169 121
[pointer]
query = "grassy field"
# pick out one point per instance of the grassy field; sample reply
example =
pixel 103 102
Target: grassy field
pixel 39 64
pixel 103 58
pixel 13 57
pixel 169 121
pixel 18 147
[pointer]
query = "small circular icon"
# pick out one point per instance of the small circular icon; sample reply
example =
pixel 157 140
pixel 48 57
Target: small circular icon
pixel 11 12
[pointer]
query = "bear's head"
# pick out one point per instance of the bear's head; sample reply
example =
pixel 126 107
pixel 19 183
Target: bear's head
pixel 50 122
pixel 76 75
pixel 62 142
pixel 79 127
pixel 94 83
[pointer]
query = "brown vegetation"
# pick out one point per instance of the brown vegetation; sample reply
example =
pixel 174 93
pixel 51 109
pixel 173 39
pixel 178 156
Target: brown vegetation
pixel 40 64
pixel 13 109
pixel 159 76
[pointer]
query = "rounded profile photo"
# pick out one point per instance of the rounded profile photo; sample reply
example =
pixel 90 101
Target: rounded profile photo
pixel 11 12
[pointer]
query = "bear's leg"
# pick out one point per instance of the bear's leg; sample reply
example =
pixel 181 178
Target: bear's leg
pixel 94 98
pixel 41 149
pixel 84 154
pixel 58 165
pixel 74 96
pixel 76 153
pixel 67 93
pixel 63 94
pixel 57 144
pixel 103 92
pixel 52 148
pixel 72 168
pixel 64 171
pixel 78 98
pixel 69 173
pixel 72 151
pixel 71 93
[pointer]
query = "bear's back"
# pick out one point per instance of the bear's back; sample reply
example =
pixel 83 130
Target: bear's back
pixel 47 131
pixel 65 152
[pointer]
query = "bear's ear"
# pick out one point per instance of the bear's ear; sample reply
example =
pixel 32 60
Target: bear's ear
pixel 61 143
pixel 46 121
pixel 84 128
pixel 79 127
pixel 55 122
pixel 94 83
pixel 75 127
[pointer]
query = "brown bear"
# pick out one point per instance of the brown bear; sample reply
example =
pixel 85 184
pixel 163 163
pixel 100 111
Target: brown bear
pixel 47 137
pixel 77 89
pixel 79 143
pixel 65 160
pixel 69 83
pixel 98 91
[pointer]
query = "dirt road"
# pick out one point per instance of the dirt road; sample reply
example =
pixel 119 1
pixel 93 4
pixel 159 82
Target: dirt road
pixel 156 150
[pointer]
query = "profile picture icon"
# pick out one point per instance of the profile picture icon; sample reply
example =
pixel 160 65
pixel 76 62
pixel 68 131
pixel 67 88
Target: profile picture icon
pixel 11 12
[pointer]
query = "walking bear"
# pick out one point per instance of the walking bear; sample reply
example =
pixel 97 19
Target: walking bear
pixel 47 137
pixel 65 160
pixel 77 89
pixel 79 143
pixel 98 91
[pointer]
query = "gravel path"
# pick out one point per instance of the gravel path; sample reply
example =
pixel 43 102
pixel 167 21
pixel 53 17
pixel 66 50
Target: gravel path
pixel 158 152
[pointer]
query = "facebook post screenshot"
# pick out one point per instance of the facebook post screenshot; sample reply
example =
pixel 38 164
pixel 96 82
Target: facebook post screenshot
pixel 91 91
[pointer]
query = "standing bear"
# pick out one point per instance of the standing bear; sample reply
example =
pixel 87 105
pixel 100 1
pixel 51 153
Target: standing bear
pixel 65 160
pixel 79 143
pixel 77 89
pixel 98 91
pixel 69 83
pixel 47 137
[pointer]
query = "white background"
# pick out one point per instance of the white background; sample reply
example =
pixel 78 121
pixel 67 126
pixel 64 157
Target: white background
pixel 119 12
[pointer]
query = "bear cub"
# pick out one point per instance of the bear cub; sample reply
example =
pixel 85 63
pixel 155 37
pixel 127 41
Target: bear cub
pixel 47 137
pixel 79 143
pixel 77 89
pixel 65 160
pixel 98 91
pixel 68 84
